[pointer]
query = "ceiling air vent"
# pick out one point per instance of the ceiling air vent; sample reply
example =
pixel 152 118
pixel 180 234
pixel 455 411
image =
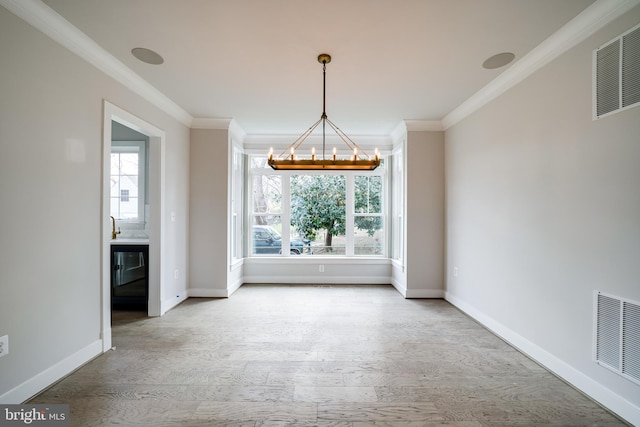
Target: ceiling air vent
pixel 617 335
pixel 616 74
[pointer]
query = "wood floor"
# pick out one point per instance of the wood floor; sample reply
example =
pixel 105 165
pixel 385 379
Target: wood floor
pixel 316 356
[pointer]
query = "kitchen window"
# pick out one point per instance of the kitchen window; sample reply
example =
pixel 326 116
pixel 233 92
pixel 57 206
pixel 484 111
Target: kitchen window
pixel 128 180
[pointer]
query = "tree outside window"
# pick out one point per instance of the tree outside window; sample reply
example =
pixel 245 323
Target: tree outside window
pixel 318 211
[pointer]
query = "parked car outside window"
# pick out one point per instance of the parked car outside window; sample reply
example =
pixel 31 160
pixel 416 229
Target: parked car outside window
pixel 267 240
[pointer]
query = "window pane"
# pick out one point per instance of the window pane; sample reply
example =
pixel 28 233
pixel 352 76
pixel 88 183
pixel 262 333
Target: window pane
pixel 318 212
pixel 273 221
pixel 129 163
pixel 266 235
pixel 115 164
pixel 115 207
pixel 322 245
pixel 299 245
pixel 129 183
pixel 115 186
pixel 258 163
pixel 369 236
pixel 315 204
pixel 126 182
pixel 368 194
pixel 129 210
pixel 267 194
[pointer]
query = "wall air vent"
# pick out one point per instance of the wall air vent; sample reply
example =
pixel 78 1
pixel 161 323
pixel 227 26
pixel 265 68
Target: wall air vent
pixel 616 74
pixel 617 335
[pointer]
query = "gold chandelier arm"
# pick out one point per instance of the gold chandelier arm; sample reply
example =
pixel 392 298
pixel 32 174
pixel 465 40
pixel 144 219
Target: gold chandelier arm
pixel 300 139
pixel 348 141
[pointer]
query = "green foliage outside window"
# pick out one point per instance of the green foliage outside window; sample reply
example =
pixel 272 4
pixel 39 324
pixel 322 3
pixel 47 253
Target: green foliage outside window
pixel 318 203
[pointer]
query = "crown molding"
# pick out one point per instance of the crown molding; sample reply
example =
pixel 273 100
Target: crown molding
pixel 575 31
pixel 399 133
pixel 62 31
pixel 210 123
pixel 237 133
pixel 45 19
pixel 423 125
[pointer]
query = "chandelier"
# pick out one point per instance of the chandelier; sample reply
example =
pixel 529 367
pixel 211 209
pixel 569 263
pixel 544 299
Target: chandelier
pixel 289 160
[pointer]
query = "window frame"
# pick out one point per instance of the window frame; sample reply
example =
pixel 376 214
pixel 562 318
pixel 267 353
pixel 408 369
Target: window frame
pixel 380 214
pixel 285 208
pixel 138 147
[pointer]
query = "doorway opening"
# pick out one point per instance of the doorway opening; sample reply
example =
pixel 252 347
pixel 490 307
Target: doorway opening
pixel 141 217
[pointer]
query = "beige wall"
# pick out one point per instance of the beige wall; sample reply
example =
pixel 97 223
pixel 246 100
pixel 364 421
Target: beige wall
pixel 543 208
pixel 425 214
pixel 51 113
pixel 208 212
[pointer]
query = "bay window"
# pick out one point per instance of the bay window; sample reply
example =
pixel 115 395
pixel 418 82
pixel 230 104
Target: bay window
pixel 319 213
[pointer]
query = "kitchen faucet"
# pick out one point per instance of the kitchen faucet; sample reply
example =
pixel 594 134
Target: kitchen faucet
pixel 113 228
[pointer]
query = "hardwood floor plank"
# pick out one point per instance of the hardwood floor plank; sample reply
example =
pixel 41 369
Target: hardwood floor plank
pixel 387 412
pixel 322 356
pixel 334 394
pixel 320 380
pixel 257 411
pixel 237 393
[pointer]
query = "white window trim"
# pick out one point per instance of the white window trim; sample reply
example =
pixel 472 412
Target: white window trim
pixel 140 148
pixel 285 214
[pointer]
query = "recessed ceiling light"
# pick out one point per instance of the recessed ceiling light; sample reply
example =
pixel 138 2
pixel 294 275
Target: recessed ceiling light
pixel 499 60
pixel 147 55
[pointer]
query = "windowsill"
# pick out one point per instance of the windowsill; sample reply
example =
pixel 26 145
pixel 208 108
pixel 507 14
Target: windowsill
pixel 130 221
pixel 317 259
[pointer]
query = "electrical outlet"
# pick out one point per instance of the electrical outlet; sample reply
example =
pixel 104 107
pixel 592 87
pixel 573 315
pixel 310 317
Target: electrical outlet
pixel 321 268
pixel 4 345
pixel 455 271
pixel 176 273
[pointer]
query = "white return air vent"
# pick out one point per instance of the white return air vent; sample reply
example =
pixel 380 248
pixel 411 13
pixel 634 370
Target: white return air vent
pixel 617 335
pixel 616 74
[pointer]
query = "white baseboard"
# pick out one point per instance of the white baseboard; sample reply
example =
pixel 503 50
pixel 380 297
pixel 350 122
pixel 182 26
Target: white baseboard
pixel 49 376
pixel 424 293
pixel 610 400
pixel 168 304
pixel 327 280
pixel 208 293
pixel 234 287
pixel 400 287
pixel 416 293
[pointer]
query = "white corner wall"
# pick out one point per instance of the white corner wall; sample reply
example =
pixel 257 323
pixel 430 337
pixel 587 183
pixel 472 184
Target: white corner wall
pixel 50 186
pixel 543 208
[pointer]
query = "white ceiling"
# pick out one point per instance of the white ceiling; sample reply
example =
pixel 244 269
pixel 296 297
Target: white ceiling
pixel 255 60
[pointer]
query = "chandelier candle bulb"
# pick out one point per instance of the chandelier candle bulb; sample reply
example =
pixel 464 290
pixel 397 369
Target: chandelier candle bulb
pixel 313 153
pixel 270 153
pixel 334 154
pixel 292 151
